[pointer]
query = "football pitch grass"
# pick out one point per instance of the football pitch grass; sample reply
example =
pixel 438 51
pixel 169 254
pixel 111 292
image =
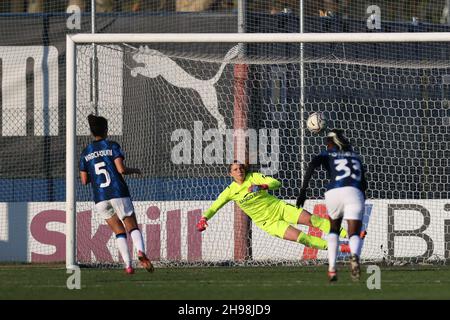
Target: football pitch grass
pixel 18 281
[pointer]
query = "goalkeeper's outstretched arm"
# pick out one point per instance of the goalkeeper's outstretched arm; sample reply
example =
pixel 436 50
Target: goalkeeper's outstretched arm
pixel 221 200
pixel 267 182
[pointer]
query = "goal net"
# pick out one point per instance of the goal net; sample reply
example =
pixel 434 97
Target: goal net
pixel 183 111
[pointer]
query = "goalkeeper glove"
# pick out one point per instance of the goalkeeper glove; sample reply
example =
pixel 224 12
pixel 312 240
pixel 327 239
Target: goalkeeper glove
pixel 202 224
pixel 256 188
pixel 301 199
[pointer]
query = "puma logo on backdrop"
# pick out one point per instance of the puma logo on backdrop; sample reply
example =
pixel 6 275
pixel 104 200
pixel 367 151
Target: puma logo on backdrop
pixel 158 64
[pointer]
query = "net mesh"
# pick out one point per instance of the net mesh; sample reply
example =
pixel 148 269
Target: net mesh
pixel 172 108
pixel 392 99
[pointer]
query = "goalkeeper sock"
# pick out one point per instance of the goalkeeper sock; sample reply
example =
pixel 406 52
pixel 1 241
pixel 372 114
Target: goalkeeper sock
pixel 123 248
pixel 354 243
pixel 333 242
pixel 343 233
pixel 311 241
pixel 138 241
pixel 320 223
pixel 324 225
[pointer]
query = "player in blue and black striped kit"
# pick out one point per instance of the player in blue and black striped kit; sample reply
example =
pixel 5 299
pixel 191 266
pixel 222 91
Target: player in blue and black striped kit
pixel 101 164
pixel 344 198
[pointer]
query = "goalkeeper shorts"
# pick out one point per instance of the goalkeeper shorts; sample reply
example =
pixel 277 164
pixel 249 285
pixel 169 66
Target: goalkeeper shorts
pixel 284 216
pixel 123 207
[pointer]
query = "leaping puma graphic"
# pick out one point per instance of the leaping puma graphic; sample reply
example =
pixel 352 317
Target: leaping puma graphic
pixel 158 64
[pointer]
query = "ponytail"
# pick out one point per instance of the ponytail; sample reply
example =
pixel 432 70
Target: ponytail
pixel 336 136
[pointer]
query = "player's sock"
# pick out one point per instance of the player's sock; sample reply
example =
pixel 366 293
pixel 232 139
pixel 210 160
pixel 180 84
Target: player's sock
pixel 324 225
pixel 354 243
pixel 311 241
pixel 138 241
pixel 333 242
pixel 123 248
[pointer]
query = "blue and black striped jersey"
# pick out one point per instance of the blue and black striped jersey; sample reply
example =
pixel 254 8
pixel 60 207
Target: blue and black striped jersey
pixel 344 168
pixel 97 159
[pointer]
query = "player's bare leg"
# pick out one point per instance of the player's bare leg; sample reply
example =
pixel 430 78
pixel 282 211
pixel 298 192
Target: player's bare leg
pixel 136 235
pixel 354 228
pixel 117 227
pixel 312 220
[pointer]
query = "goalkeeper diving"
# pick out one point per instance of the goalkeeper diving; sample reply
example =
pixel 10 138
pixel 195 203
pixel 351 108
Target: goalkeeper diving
pixel 250 192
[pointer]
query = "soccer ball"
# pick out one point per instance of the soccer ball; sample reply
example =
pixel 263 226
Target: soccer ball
pixel 316 122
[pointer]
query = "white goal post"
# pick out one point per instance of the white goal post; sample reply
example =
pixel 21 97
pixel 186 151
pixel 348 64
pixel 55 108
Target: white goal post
pixel 83 39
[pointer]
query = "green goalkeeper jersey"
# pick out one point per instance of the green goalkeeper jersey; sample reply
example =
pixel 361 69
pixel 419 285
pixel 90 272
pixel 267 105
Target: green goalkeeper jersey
pixel 259 206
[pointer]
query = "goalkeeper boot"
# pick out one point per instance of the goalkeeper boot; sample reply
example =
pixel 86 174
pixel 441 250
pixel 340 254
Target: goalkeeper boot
pixel 129 270
pixel 355 267
pixel 332 276
pixel 145 262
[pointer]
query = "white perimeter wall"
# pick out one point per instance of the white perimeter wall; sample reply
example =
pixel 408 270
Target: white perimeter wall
pixel 34 232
